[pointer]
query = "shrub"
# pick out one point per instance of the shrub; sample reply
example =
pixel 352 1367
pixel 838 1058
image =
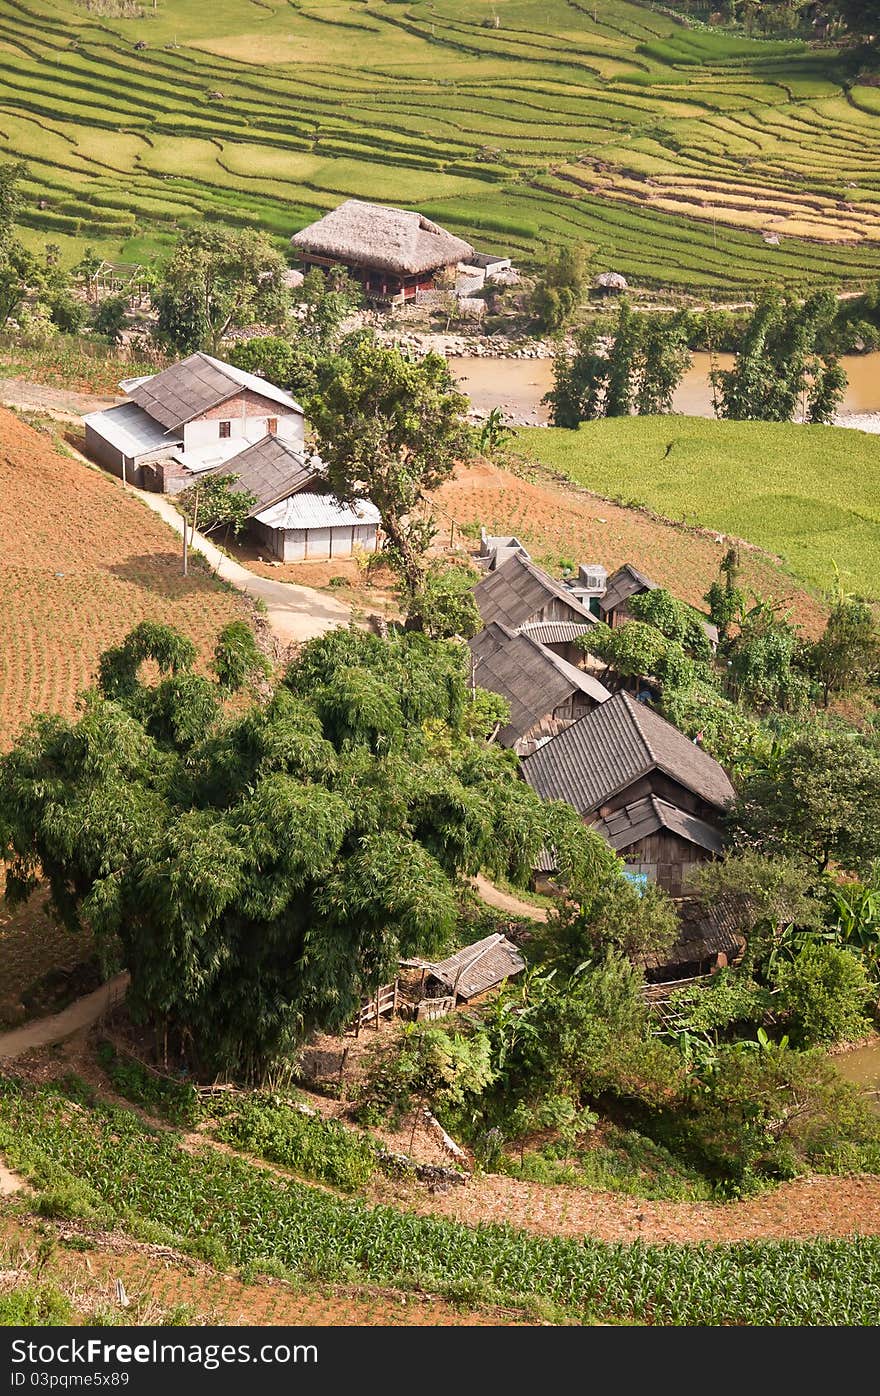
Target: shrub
pixel 307 1144
pixel 824 992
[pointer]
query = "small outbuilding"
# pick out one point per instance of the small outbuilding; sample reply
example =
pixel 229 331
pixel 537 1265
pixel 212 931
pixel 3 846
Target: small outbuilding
pixel 611 283
pixel 294 515
pixel 475 969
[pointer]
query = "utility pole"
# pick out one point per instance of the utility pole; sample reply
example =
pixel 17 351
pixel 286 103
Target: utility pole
pixel 185 547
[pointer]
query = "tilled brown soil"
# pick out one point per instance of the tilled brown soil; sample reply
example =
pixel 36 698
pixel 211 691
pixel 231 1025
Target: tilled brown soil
pixel 807 1207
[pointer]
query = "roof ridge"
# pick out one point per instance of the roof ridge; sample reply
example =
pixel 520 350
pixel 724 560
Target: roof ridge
pixel 634 709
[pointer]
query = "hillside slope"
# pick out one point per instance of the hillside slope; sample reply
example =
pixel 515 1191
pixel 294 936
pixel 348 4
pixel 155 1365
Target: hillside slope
pixel 81 562
pixel 810 495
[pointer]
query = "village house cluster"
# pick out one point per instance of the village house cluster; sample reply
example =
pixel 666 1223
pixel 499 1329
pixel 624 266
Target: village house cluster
pixel 654 795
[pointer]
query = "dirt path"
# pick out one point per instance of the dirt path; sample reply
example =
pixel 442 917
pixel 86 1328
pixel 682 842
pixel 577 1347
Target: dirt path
pixel 59 1026
pixel 506 901
pixel 63 403
pixel 293 612
pixel 807 1207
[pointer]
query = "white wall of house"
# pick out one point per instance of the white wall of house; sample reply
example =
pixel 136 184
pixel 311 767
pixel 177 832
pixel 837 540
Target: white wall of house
pixel 202 437
pixel 299 544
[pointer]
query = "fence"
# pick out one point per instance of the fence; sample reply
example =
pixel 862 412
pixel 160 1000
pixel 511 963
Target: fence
pixel 383 1001
pixel 429 1009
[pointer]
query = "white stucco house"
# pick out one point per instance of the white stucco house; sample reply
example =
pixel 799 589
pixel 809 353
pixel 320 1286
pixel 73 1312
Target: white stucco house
pixel 191 417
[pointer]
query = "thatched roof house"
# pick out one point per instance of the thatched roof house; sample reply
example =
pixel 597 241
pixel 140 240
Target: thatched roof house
pixel 393 252
pixel 611 282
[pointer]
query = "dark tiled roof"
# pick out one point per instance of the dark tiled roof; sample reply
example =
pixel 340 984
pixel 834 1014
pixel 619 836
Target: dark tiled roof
pixel 627 581
pixel 703 931
pixel 195 385
pixel 636 821
pixel 515 592
pixel 479 966
pixel 614 745
pixel 271 470
pixel 533 680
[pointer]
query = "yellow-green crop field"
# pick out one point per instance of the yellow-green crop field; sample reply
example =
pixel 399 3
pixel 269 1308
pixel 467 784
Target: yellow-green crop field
pixel 669 151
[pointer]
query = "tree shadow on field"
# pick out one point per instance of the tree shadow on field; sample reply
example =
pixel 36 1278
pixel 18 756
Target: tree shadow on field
pixel 162 573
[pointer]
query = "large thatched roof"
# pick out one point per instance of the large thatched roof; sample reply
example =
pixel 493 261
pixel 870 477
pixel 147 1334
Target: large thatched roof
pixel 390 239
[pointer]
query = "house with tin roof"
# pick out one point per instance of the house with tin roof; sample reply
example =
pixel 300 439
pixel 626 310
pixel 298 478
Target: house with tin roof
pixel 193 416
pixel 294 514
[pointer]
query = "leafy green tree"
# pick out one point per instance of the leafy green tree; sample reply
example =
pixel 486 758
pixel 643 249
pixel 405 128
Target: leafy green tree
pixel 763 661
pixel 847 655
pixel 724 598
pixel 675 619
pixel 783 366
pixel 561 288
pixel 392 429
pixel 824 994
pixel 444 605
pixel 218 279
pixel 213 502
pixel 610 913
pixel 819 798
pixel 771 897
pixel 20 271
pixel 631 365
pixel 110 317
pixel 67 313
pixel 294 365
pixel 264 867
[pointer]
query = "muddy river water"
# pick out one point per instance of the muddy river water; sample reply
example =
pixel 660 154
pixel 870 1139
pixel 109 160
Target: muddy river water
pixel 863 1067
pixel 517 385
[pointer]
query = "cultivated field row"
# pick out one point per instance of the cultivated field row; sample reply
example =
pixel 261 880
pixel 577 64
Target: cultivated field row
pixel 551 126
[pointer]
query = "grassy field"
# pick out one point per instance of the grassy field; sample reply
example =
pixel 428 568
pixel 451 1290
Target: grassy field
pixel 668 151
pixel 808 494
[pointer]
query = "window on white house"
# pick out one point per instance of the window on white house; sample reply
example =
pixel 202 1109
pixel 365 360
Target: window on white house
pixel 272 426
pixel 225 430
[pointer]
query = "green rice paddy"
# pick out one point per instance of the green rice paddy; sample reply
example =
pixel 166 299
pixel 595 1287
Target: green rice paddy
pixel 544 128
pixel 808 494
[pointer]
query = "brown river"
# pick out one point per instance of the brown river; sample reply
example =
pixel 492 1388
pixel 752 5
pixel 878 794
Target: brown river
pixel 517 385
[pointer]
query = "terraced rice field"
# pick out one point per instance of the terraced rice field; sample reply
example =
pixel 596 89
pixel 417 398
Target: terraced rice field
pixel 667 150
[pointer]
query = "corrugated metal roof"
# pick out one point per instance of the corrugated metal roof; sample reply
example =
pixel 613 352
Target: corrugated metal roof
pixel 195 385
pixel 131 430
pixel 271 470
pixel 515 592
pixel 532 679
pixel 479 966
pixel 643 817
pixel 609 748
pixel 627 581
pixel 555 632
pixel 307 510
